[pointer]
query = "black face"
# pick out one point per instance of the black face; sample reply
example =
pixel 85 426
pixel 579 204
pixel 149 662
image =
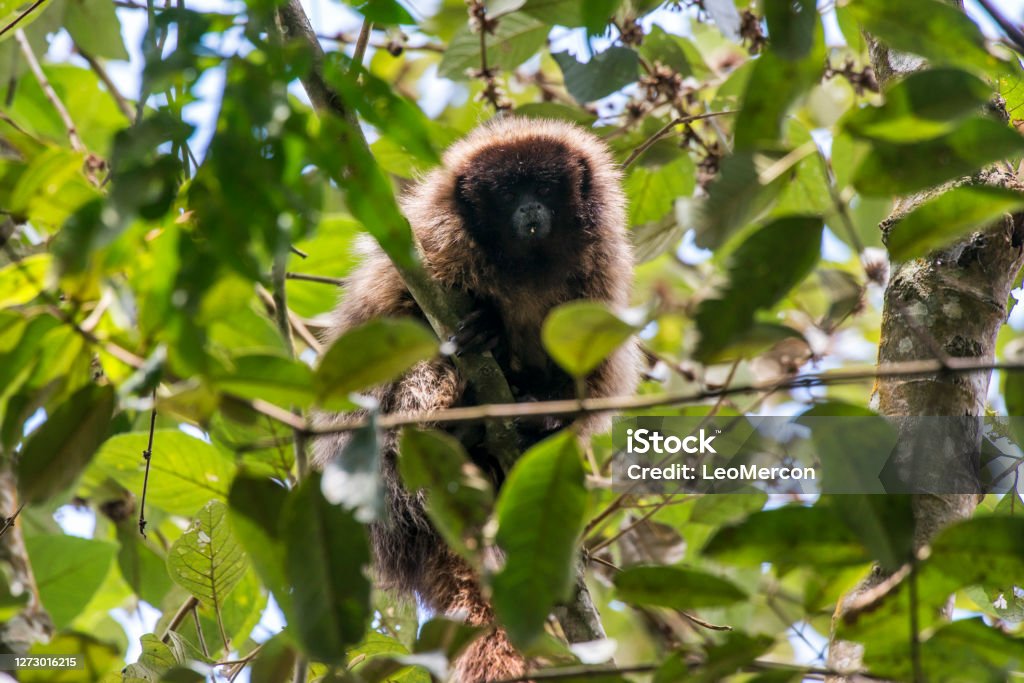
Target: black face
pixel 526 203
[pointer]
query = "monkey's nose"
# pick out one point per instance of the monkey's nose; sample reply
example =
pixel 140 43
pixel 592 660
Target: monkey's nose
pixel 531 208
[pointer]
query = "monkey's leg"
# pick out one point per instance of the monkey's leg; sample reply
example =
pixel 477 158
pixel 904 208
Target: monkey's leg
pixel 412 556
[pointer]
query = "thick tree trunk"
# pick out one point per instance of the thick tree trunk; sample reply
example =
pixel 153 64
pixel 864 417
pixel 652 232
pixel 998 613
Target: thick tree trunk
pixel 949 304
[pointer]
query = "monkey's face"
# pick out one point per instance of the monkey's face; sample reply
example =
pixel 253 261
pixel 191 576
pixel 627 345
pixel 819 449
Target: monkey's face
pixel 525 203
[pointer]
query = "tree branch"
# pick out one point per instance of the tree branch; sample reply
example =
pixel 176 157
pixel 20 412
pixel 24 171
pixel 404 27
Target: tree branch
pixel 284 326
pixel 102 74
pixel 48 91
pixel 17 20
pixel 665 130
pixel 903 370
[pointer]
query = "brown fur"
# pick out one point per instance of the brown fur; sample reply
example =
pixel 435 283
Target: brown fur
pixel 593 263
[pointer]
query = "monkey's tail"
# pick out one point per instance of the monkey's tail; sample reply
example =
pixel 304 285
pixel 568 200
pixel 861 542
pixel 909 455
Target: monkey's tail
pixel 454 590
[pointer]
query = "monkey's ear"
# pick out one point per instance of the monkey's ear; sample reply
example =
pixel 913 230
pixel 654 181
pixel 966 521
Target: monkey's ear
pixel 462 194
pixel 460 188
pixel 586 178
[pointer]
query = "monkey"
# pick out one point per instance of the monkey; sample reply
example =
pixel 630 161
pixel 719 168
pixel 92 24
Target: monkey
pixel 522 215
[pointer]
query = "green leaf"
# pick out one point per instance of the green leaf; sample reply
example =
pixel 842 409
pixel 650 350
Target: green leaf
pixel 142 568
pixel 652 192
pixel 98 655
pixel 540 516
pixel 923 105
pixel 948 217
pixel 51 188
pixel 884 523
pixel 722 508
pixel 737 195
pixel 894 169
pixel 596 14
pixel 156 659
pixel 499 8
pixel 368 192
pixel 207 560
pixel 845 293
pixel 552 12
pixel 758 280
pixel 517 38
pixel 722 659
pixel 789 536
pixel 775 84
pixel 352 478
pixel 605 73
pixel 791 26
pixel 373 353
pixel 956 550
pixel 1013 393
pixel 580 335
pixel 394 116
pixel 458 496
pixel 21 281
pixel 185 472
pixel 61 448
pixel 325 554
pixel 269 377
pixel 675 52
pixel 929 28
pixel 276 660
pixel 384 12
pixel 447 635
pixel 255 507
pixel 14 11
pixel 675 587
pixel 95 28
pixel 973 649
pixel 68 571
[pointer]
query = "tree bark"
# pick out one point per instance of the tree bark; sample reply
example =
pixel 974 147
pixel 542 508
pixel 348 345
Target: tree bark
pixel 949 304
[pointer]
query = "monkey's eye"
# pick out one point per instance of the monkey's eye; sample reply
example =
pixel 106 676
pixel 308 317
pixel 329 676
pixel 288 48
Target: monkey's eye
pixel 544 190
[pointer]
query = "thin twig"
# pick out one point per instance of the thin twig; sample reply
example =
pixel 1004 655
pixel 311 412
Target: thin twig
pixel 199 631
pixel 665 130
pixel 119 99
pixel 917 368
pixel 148 457
pixel 284 326
pixel 48 91
pixel 705 624
pixel 360 50
pixel 179 617
pixel 9 521
pixel 580 672
pixel 322 279
pixel 301 667
pixel 17 20
pixel 1013 32
pixel 387 45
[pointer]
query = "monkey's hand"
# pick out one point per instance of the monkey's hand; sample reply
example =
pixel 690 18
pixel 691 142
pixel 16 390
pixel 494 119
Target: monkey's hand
pixel 478 332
